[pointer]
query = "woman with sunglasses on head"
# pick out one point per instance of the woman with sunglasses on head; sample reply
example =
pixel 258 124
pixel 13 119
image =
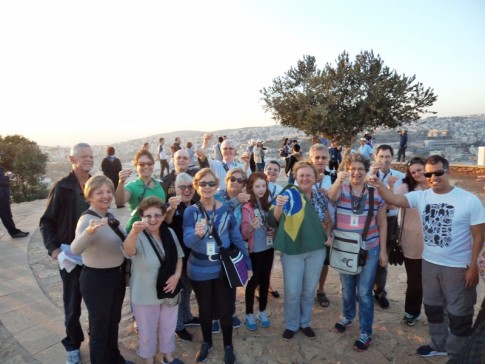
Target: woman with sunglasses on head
pixel 412 240
pixel 143 186
pixel 259 234
pixel 234 196
pixel 352 198
pixel 204 267
pixel 156 317
pixel 102 278
pixel 184 197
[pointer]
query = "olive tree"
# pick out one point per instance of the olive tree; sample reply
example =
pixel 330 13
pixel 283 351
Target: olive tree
pixel 343 99
pixel 27 163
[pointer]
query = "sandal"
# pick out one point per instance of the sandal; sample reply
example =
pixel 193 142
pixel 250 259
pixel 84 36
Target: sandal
pixel 322 299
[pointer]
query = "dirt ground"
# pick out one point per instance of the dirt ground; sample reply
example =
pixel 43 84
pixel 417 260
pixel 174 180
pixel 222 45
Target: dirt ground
pixel 394 342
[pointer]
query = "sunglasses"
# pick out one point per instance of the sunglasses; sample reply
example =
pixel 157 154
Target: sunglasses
pixel 183 188
pixel 320 158
pixel 239 180
pixel 154 216
pixel 143 164
pixel 436 173
pixel 210 184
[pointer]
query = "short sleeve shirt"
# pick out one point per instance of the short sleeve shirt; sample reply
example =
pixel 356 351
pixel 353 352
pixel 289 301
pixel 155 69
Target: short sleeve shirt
pixel 446 222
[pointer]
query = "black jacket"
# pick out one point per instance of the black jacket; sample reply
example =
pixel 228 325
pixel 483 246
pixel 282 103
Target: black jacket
pixel 64 207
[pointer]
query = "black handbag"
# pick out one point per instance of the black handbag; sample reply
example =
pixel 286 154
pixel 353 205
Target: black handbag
pixel 166 269
pixel 396 255
pixel 232 259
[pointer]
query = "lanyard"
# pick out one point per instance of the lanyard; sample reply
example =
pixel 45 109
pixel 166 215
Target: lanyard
pixel 263 214
pixel 272 193
pixel 385 174
pixel 210 220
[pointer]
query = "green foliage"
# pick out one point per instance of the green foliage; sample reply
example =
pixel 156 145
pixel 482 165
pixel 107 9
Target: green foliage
pixel 342 100
pixel 26 161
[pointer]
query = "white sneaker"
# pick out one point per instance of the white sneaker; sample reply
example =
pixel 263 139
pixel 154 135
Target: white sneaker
pixel 250 322
pixel 73 357
pixel 263 318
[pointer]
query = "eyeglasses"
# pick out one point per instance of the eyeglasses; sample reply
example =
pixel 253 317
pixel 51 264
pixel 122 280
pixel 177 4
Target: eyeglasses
pixel 143 164
pixel 154 216
pixel 356 170
pixel 210 184
pixel 239 180
pixel 436 173
pixel 183 187
pixel 320 158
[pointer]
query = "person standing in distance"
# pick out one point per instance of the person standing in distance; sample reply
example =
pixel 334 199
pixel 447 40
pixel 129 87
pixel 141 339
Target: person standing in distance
pixel 111 166
pixel 162 155
pixel 403 144
pixel 65 205
pixel 5 211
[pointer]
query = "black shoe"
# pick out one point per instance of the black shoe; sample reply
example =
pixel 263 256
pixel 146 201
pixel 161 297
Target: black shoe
pixel 274 293
pixel 20 234
pixel 308 332
pixel 194 322
pixel 203 353
pixel 184 335
pixel 382 300
pixel 288 334
pixel 229 357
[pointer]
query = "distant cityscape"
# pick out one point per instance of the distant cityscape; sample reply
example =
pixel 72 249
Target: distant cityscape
pixel 456 138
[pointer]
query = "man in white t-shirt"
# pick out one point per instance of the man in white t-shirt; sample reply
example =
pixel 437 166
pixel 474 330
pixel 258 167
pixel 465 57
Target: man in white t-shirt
pixel 453 223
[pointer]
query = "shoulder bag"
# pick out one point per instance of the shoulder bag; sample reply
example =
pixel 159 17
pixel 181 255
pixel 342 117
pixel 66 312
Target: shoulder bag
pixel 115 225
pixel 347 253
pixel 232 259
pixel 166 269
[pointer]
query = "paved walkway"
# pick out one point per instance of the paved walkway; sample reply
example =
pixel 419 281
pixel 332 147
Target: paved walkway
pixel 31 317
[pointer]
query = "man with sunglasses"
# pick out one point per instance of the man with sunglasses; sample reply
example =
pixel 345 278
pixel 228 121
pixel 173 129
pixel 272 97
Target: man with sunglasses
pixel 453 223
pixel 392 179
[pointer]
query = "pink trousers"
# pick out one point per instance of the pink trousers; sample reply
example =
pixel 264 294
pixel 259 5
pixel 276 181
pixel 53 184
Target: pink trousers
pixel 153 319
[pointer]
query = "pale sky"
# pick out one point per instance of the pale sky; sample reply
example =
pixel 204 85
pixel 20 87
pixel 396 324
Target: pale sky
pixel 107 71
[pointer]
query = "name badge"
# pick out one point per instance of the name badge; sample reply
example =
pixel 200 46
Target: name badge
pixel 354 221
pixel 269 241
pixel 211 248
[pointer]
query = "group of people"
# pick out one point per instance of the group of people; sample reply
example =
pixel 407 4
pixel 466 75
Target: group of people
pixel 179 224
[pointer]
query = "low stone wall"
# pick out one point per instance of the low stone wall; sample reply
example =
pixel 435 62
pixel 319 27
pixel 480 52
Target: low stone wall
pixel 455 169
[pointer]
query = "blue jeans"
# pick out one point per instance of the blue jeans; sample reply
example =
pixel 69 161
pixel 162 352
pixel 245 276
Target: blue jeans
pixel 300 275
pixel 363 283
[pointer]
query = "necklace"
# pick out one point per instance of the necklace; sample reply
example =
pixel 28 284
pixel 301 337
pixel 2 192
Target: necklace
pixel 357 202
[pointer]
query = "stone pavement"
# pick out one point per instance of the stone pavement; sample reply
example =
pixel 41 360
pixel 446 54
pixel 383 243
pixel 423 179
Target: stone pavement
pixel 31 316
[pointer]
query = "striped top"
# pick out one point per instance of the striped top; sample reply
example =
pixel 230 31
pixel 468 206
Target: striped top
pixel 349 221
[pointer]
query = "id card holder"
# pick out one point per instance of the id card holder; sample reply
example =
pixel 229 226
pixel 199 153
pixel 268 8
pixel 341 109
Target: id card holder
pixel 269 241
pixel 211 248
pixel 354 221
